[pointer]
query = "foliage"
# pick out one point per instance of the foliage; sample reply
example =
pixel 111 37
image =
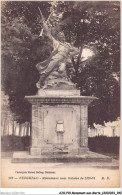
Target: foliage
pixel 93 25
pixel 15 143
pixel 104 144
pixel 11 143
pixel 19 58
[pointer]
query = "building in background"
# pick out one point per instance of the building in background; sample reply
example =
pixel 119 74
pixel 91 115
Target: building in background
pixel 109 129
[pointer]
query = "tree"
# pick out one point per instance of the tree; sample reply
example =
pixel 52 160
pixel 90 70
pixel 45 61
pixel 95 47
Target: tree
pixel 92 25
pixel 19 58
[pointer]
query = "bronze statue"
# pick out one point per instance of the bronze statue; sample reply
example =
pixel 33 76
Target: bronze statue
pixel 53 70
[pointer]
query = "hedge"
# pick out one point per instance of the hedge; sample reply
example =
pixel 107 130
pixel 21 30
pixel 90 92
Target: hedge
pixel 95 144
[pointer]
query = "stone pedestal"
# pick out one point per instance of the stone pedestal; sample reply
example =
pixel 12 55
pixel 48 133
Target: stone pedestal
pixel 59 122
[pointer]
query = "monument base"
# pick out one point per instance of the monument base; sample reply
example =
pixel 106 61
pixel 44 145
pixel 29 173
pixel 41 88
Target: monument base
pixel 59 122
pixel 25 157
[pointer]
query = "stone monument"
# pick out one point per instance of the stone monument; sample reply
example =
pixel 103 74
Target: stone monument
pixel 59 129
pixel 59 113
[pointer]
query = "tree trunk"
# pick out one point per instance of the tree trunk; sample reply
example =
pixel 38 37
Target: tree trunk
pixel 12 127
pixel 15 130
pixel 28 125
pixel 20 129
pixel 5 129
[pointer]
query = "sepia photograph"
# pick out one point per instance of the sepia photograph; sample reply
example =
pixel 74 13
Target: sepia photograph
pixel 60 94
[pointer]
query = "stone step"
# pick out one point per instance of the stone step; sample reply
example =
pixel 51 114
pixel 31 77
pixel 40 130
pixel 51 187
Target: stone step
pixel 25 157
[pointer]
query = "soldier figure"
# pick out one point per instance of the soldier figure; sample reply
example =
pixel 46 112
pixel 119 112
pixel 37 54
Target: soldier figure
pixel 62 51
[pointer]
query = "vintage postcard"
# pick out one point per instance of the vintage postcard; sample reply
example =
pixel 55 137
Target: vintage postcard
pixel 60 107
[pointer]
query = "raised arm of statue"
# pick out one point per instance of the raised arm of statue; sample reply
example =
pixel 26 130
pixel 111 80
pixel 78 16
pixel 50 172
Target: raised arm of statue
pixel 47 30
pixel 48 33
pixel 45 21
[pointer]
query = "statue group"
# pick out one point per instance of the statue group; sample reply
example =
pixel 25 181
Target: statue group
pixel 52 71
